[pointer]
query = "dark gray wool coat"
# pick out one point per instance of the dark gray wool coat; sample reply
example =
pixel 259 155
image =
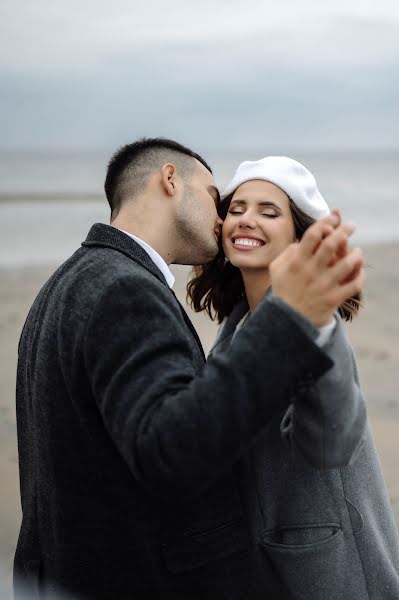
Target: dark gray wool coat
pixel 129 446
pixel 323 534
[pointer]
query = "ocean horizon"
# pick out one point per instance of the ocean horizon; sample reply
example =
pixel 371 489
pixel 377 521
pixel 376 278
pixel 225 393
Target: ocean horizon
pixel 48 201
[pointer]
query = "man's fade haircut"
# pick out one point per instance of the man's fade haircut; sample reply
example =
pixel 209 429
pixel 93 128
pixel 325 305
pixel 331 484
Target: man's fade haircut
pixel 132 165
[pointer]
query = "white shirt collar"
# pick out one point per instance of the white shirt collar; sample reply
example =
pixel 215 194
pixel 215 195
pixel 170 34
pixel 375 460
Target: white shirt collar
pixel 155 257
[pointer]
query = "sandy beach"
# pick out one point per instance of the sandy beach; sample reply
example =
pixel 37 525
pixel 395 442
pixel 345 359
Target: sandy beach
pixel 374 334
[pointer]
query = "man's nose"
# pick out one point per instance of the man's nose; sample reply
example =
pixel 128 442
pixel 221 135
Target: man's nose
pixel 219 221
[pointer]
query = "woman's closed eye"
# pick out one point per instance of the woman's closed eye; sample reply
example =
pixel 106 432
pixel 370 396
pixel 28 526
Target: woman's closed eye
pixel 238 211
pixel 241 212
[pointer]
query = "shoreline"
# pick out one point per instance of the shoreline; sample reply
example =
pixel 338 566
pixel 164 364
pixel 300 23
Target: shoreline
pixel 49 196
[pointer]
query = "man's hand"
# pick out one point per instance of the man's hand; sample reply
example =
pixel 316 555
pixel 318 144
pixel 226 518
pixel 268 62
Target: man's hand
pixel 317 274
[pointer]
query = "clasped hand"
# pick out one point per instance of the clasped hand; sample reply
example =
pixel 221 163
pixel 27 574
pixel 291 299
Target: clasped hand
pixel 318 273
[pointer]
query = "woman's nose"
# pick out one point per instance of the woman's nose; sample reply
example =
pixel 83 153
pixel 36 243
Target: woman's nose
pixel 247 220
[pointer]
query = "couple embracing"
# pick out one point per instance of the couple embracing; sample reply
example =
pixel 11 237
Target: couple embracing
pixel 148 472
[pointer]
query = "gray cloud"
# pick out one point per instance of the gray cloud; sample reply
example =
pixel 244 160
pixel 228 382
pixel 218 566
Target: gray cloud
pixel 328 81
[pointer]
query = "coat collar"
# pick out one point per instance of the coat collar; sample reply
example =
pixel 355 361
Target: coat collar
pixel 107 236
pixel 224 338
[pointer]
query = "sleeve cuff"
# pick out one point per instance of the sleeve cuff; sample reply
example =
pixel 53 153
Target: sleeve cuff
pixel 325 333
pixel 320 335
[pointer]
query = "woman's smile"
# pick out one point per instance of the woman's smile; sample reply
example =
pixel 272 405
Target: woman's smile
pixel 247 242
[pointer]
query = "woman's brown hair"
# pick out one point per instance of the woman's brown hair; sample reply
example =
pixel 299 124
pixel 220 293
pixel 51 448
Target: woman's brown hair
pixel 218 286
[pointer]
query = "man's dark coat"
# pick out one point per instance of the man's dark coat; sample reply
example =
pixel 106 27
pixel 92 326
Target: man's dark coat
pixel 128 442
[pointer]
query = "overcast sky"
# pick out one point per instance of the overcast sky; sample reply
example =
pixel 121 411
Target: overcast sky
pixel 218 75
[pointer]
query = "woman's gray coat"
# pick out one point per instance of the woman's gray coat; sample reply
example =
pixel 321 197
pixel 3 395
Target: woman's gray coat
pixel 319 512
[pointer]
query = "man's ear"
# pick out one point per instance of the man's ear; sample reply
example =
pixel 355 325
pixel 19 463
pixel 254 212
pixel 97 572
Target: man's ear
pixel 168 178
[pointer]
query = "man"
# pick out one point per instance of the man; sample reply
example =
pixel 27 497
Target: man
pixel 127 441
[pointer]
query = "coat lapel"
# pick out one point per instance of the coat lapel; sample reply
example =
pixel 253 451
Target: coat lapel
pixel 191 326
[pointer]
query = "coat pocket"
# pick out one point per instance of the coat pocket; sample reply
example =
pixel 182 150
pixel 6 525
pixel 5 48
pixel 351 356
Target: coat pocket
pixel 301 536
pixel 199 549
pixel 308 560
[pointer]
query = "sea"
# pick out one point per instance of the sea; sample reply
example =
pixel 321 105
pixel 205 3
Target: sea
pixel 48 201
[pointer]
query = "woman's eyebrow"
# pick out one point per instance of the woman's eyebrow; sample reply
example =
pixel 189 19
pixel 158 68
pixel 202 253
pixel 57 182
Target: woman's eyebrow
pixel 260 203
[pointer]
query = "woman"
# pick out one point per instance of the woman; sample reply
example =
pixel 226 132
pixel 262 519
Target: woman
pixel 316 505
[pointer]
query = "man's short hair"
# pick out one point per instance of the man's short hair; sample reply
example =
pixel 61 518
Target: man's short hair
pixel 132 165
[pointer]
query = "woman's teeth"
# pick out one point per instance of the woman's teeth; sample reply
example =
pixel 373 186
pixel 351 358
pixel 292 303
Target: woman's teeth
pixel 247 242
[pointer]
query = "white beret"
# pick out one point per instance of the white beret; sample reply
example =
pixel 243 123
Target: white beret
pixel 289 175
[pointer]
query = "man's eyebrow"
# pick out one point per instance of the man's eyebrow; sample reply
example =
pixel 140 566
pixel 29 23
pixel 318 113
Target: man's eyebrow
pixel 260 203
pixel 213 189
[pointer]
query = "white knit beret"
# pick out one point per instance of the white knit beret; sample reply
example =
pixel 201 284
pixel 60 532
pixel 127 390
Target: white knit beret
pixel 289 175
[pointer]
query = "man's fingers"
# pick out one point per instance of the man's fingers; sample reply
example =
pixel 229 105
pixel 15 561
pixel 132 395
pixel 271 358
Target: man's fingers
pixel 331 244
pixel 342 248
pixel 329 230
pixel 337 212
pixel 340 253
pixel 351 288
pixel 348 267
pixel 353 274
pixel 313 236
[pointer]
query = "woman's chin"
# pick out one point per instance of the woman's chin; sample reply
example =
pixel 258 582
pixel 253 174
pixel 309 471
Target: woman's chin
pixel 247 262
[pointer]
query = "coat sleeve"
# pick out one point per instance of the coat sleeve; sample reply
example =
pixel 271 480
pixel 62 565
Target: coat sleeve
pixel 177 427
pixel 327 418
